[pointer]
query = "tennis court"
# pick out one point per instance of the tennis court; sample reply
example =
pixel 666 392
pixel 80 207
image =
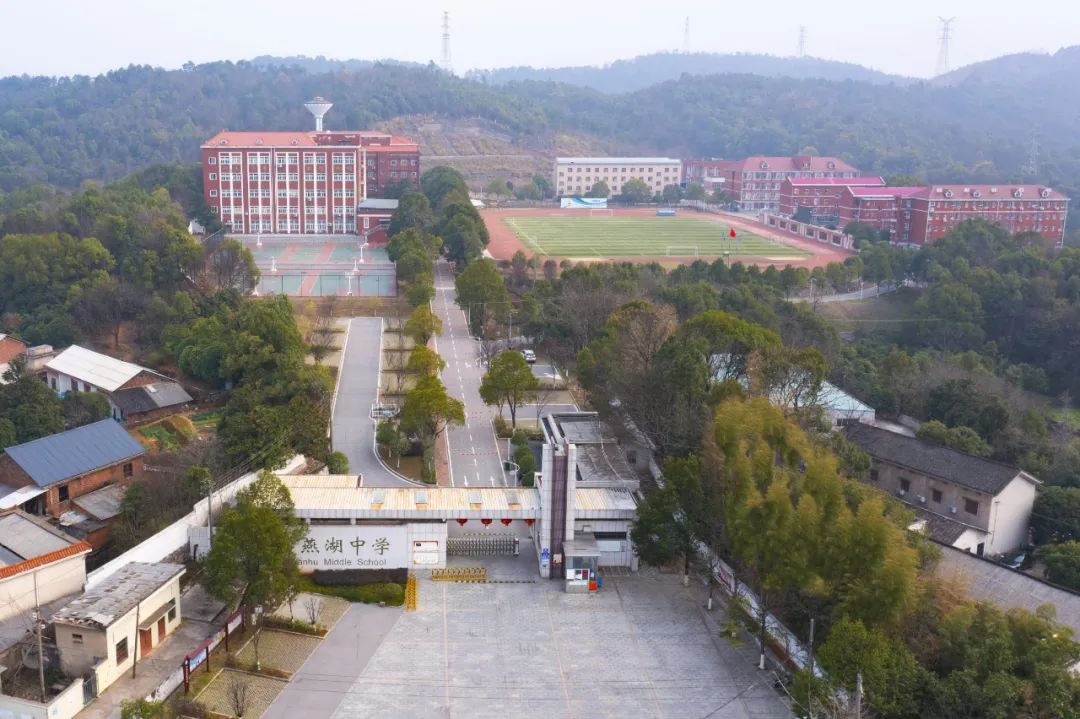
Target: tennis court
pixel 604 236
pixel 319 265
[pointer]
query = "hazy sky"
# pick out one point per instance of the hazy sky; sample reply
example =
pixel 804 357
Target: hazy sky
pixel 64 37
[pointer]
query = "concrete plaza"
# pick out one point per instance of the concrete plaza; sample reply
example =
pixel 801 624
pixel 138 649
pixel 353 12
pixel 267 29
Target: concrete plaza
pixel 638 648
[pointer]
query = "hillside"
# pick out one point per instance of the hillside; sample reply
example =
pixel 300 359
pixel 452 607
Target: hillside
pixel 63 131
pixel 482 151
pixel 641 72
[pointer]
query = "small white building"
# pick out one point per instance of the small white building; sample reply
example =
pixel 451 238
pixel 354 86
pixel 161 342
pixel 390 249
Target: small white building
pixel 963 501
pixel 119 621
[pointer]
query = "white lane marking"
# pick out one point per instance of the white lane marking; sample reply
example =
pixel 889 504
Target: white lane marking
pixel 492 480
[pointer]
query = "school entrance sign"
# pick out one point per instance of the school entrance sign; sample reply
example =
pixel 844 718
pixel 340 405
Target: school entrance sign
pixel 354 547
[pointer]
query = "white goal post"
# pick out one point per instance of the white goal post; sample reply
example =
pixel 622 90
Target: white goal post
pixel 682 251
pixel 598 212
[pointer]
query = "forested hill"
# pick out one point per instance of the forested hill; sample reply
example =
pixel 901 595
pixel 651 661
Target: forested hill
pixel 62 131
pixel 641 72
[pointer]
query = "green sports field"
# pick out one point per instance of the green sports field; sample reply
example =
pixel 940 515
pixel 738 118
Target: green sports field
pixel 641 236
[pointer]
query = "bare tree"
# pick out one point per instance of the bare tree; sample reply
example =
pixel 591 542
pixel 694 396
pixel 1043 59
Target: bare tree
pixel 239 693
pixel 313 605
pixel 320 337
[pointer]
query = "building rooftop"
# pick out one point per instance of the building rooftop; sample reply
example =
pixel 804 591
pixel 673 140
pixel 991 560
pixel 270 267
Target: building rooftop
pixel 102 504
pixel 14 496
pixel 255 139
pixel 617 160
pixel 27 542
pixel 842 181
pixel 343 497
pixel 149 397
pixel 885 192
pixel 1004 191
pixel 794 163
pixel 98 369
pixel 376 203
pixel 966 470
pixel 75 452
pixel 941 529
pixel 118 595
pixel 833 398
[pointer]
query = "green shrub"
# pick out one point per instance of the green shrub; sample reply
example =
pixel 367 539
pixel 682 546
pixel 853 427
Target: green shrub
pixel 389 593
pixel 294 625
pixel 337 463
pixel 520 439
pixel 502 429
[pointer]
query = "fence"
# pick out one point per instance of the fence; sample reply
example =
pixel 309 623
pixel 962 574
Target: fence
pixel 201 654
pixel 807 231
pixel 175 536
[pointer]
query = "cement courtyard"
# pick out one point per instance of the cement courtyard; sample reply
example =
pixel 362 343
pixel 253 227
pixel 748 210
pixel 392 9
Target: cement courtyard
pixel 638 648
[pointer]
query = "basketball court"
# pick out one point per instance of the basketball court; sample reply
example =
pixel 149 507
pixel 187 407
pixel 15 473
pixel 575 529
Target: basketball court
pixel 321 265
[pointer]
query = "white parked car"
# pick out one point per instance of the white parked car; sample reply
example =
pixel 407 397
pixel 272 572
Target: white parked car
pixel 529 356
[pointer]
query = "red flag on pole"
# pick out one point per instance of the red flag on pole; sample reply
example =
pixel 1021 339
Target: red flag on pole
pixel 732 233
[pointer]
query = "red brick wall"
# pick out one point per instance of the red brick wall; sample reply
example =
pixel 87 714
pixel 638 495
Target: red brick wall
pixel 88 483
pixel 12 474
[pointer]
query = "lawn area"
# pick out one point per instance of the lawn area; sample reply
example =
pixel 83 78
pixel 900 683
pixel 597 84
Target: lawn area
pixel 641 236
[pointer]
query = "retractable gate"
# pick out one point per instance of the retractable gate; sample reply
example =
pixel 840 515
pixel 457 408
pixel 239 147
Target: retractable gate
pixel 475 545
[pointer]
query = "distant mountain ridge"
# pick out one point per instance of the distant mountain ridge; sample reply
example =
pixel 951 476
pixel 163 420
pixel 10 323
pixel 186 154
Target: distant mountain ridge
pixel 647 70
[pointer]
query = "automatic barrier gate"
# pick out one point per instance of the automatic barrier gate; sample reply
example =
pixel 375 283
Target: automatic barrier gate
pixel 483 545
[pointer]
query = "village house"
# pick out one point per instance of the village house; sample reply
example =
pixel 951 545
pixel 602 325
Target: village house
pixel 82 370
pixel 44 476
pixel 960 500
pixel 119 621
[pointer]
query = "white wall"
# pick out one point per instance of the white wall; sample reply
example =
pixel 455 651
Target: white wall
pixel 65 705
pixel 55 580
pixel 1010 513
pixel 175 536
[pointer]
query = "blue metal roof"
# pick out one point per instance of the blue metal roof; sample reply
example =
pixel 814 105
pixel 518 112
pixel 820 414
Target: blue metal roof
pixel 76 452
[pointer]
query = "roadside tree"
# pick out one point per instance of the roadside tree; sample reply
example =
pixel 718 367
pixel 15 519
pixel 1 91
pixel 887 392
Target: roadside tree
pixel 509 382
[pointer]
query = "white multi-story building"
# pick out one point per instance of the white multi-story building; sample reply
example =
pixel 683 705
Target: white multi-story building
pixel 577 175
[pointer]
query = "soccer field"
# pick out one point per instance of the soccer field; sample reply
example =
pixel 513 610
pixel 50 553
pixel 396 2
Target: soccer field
pixel 641 236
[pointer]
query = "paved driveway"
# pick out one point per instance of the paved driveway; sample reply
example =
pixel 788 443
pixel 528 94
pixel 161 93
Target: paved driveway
pixel 329 673
pixel 474 455
pixel 352 429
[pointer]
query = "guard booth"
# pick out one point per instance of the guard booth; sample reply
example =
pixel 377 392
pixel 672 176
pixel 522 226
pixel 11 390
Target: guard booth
pixel 582 557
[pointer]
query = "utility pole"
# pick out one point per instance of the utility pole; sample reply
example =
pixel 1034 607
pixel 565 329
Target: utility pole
pixel 811 648
pixel 40 647
pixel 858 696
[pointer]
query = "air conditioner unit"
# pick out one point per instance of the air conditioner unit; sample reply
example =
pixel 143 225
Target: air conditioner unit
pixel 952 510
pixel 901 492
pixel 922 499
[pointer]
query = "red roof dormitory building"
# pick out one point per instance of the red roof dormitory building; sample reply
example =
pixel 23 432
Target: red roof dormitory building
pixel 918 215
pixel 754 182
pixel 303 182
